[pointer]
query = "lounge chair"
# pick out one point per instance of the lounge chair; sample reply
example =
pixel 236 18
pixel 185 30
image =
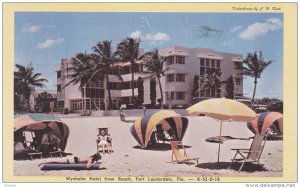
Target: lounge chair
pixel 250 155
pixel 86 113
pixel 162 135
pixel 123 118
pixel 31 151
pixel 99 149
pixel 177 156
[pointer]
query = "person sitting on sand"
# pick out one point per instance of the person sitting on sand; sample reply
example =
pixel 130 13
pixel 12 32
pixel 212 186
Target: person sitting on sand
pixel 104 140
pixel 90 160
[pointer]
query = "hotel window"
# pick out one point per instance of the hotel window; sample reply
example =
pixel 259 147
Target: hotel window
pixel 218 92
pixel 125 85
pixel 135 84
pixel 213 93
pixel 101 84
pixel 76 104
pixel 58 88
pixel 58 74
pixel 207 92
pixel 170 60
pixel 180 78
pixel 202 60
pixel 180 95
pixel 238 65
pixel 218 63
pixel 202 71
pixel 172 95
pixel 94 93
pixel 212 63
pixel 170 78
pixel 238 81
pixel 180 59
pixel 112 85
pixel 207 62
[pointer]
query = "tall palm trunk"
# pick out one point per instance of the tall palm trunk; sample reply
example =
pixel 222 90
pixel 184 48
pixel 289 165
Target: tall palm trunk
pixel 254 90
pixel 132 82
pixel 28 104
pixel 108 92
pixel 161 93
pixel 84 98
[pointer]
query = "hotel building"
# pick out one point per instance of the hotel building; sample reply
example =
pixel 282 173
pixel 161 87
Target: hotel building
pixel 182 65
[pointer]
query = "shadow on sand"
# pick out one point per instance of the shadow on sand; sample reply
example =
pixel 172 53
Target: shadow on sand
pixel 24 156
pixel 248 167
pixel 159 147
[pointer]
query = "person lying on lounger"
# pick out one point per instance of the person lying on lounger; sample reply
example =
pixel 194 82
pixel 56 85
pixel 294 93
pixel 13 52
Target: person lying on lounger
pixel 90 160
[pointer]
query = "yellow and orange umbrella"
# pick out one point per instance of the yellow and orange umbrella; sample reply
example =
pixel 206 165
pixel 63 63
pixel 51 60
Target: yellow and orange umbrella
pixel 224 110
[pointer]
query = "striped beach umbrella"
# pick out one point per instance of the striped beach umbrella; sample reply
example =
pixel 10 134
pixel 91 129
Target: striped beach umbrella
pixel 265 120
pixel 170 121
pixel 39 122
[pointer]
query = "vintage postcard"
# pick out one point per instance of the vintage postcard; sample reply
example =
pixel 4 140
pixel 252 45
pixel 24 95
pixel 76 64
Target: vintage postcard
pixel 150 92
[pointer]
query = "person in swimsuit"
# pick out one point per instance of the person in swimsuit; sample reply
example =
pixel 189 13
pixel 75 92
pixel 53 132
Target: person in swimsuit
pixel 90 160
pixel 104 140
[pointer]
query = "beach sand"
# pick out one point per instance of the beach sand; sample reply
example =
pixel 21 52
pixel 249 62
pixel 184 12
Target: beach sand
pixel 129 160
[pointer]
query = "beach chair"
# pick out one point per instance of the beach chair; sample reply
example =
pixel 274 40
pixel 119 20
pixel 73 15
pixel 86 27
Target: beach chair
pixel 32 152
pixel 86 113
pixel 99 149
pixel 250 155
pixel 177 156
pixel 123 118
pixel 162 135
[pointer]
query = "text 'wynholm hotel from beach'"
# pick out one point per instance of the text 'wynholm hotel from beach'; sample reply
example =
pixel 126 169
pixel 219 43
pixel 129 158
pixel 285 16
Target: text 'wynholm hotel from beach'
pixel 177 85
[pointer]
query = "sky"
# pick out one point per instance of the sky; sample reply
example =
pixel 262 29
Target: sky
pixel 43 38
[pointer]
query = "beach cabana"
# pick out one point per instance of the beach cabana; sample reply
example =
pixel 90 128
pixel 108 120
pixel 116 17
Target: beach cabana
pixel 265 120
pixel 223 110
pixel 170 121
pixel 36 123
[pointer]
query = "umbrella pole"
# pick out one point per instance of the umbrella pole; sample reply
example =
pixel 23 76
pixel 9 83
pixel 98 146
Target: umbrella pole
pixel 219 145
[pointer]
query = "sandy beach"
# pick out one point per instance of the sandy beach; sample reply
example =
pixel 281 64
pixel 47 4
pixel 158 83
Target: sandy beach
pixel 129 160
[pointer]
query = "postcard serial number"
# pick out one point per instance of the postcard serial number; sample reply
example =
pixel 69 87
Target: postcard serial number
pixel 208 179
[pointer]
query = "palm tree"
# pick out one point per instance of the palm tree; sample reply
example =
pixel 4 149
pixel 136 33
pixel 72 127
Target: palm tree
pixel 104 64
pixel 154 64
pixel 43 102
pixel 128 50
pixel 211 80
pixel 25 80
pixel 254 66
pixel 80 72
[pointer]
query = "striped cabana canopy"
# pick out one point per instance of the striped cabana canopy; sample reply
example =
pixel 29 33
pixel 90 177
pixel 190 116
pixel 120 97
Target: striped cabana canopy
pixel 39 122
pixel 170 121
pixel 265 120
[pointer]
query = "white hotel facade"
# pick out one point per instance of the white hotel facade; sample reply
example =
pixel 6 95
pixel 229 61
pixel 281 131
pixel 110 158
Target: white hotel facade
pixel 182 65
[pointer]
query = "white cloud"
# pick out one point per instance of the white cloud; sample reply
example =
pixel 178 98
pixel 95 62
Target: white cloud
pixel 236 28
pixel 49 43
pixel 260 29
pixel 150 37
pixel 31 28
